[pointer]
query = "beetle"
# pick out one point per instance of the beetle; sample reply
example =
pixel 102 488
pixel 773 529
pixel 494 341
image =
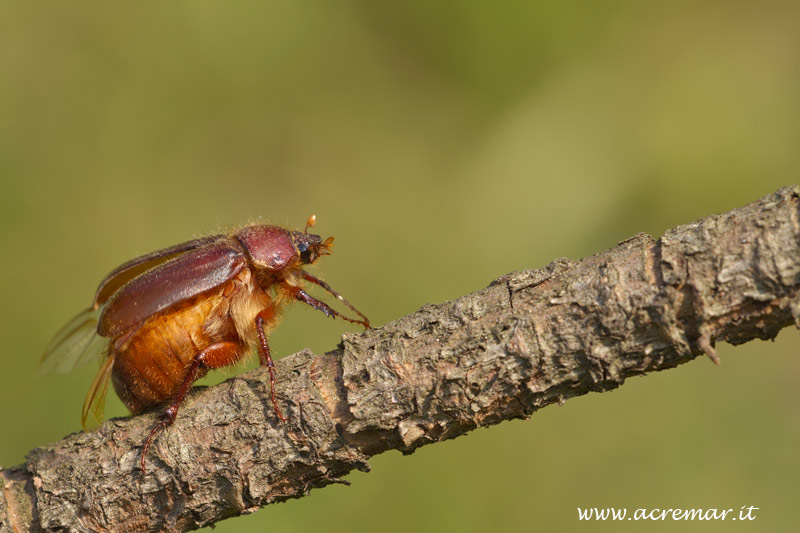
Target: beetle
pixel 162 320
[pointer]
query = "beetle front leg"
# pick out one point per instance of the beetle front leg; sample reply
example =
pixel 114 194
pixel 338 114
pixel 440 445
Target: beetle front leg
pixel 299 294
pixel 267 315
pixel 215 356
pixel 314 279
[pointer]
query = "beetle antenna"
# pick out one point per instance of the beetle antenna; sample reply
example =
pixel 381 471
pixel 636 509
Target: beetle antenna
pixel 310 223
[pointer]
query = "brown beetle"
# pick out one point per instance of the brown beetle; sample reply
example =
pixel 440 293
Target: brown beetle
pixel 164 319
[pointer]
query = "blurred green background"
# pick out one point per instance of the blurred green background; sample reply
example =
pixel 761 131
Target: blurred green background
pixel 443 144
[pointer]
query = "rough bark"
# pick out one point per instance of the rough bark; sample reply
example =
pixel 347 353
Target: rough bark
pixel 530 339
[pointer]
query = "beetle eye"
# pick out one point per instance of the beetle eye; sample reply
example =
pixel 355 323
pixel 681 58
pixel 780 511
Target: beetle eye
pixel 305 252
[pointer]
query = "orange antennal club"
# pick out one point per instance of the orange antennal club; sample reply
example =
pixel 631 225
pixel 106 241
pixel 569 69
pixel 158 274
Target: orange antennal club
pixel 310 222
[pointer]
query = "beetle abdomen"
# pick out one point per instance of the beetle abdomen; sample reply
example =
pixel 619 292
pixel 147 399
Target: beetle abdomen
pixel 152 361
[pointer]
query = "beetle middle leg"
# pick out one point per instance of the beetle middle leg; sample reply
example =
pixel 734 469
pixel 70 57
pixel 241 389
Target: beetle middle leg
pixel 217 355
pixel 267 315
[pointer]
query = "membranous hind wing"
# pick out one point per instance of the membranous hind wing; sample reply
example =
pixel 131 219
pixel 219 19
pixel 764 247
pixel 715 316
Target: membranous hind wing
pixel 76 344
pixel 95 402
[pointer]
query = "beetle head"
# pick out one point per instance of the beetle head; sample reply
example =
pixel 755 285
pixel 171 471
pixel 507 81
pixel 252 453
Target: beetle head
pixel 310 247
pixel 274 248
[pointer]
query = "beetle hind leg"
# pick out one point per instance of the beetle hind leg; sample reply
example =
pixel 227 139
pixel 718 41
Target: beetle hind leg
pixel 217 355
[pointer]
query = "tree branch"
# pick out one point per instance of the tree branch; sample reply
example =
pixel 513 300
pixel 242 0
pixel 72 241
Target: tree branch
pixel 530 339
